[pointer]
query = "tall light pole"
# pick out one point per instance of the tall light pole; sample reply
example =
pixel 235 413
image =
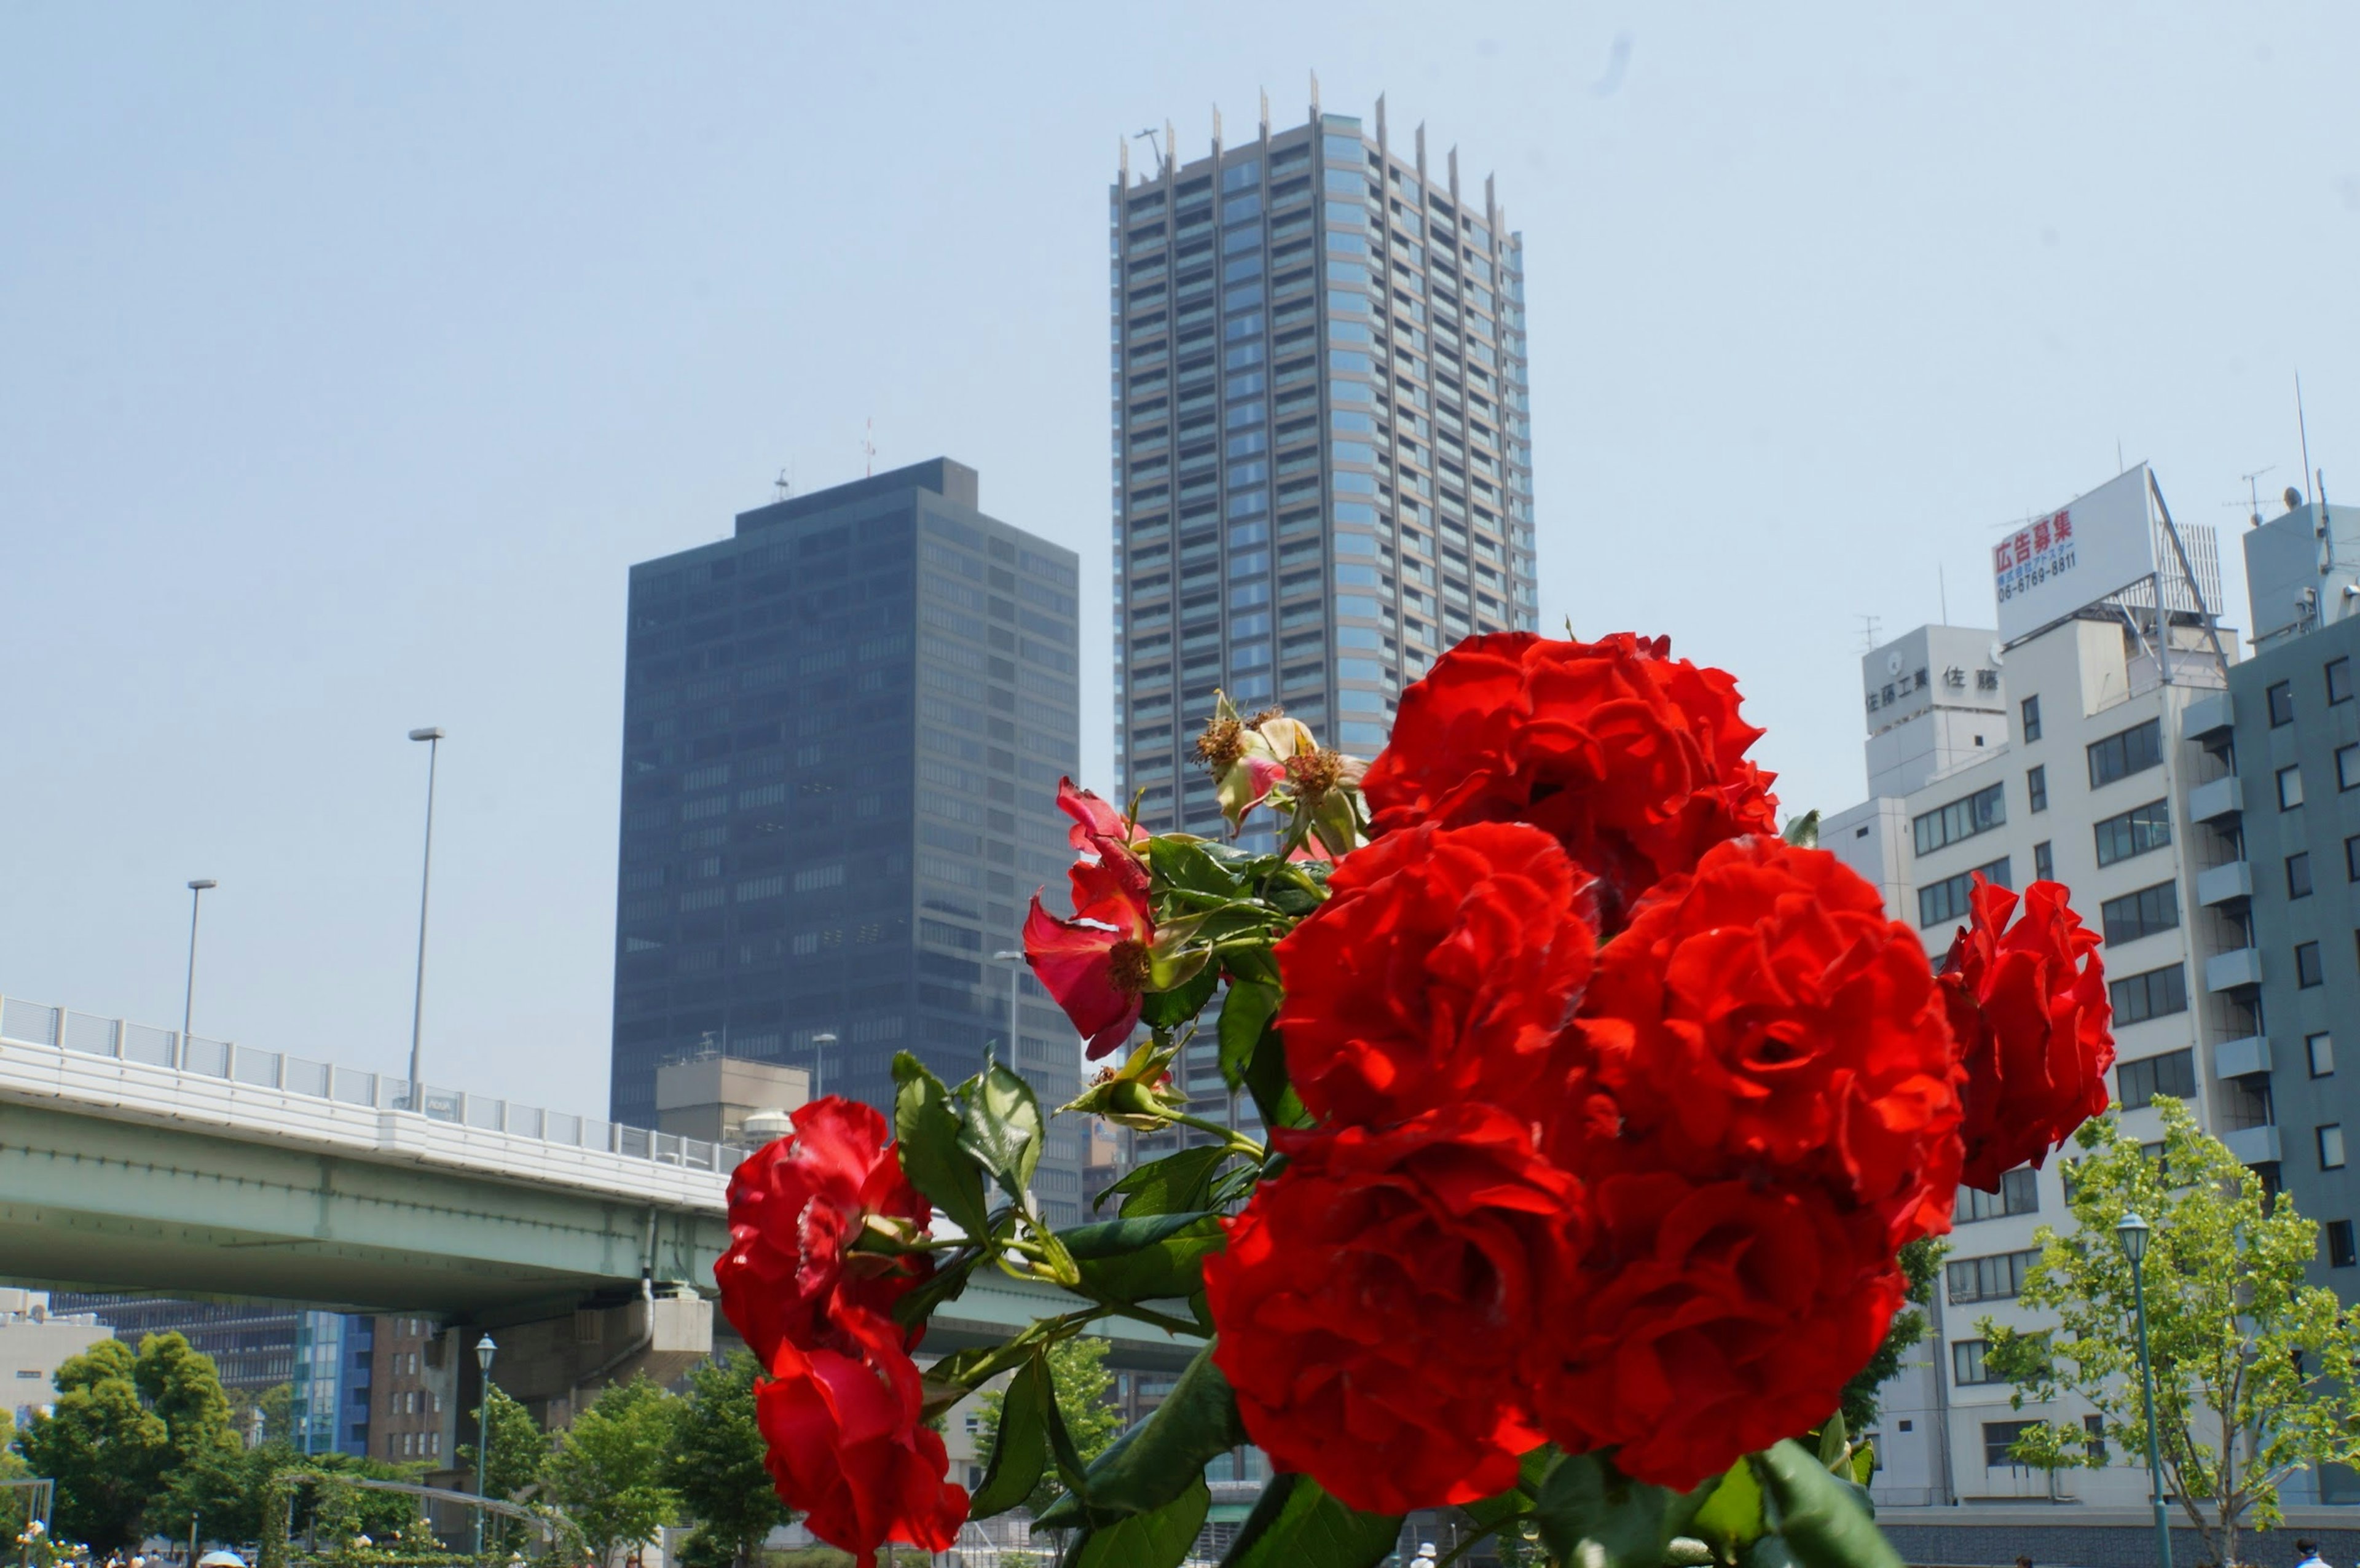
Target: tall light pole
pixel 1014 957
pixel 820 1042
pixel 197 890
pixel 484 1349
pixel 2132 1232
pixel 432 736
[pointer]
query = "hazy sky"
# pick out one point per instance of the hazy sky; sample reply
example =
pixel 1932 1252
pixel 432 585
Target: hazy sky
pixel 349 355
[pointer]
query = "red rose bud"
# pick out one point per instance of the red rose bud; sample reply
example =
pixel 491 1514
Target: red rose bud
pixel 796 1205
pixel 847 1446
pixel 1710 1320
pixel 1374 1302
pixel 1441 968
pixel 2034 1023
pixel 1099 829
pixel 1762 1014
pixel 1633 760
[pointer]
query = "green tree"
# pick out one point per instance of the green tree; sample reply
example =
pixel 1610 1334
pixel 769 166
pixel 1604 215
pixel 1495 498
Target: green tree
pixel 519 1451
pixel 2254 1370
pixel 717 1463
pixel 181 1385
pixel 104 1449
pixel 611 1469
pixel 1078 1375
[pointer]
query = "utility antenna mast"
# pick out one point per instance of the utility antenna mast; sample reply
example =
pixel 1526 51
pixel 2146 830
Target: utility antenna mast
pixel 869 447
pixel 785 483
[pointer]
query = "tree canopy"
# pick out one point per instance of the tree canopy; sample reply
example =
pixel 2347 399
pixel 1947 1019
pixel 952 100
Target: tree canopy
pixel 611 1469
pixel 717 1461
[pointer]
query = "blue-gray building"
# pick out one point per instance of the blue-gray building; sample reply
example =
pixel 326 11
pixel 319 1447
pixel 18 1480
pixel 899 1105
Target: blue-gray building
pixel 2294 729
pixel 843 730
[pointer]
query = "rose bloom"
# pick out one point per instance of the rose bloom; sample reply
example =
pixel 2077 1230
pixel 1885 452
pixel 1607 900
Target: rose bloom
pixel 847 1445
pixel 1635 761
pixel 1764 1014
pixel 1375 1299
pixel 796 1205
pixel 1096 965
pixel 1442 967
pixel 1710 1320
pixel 2028 1005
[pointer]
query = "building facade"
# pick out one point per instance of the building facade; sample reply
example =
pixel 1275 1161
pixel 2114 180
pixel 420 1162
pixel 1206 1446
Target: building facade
pixel 1322 447
pixel 2080 752
pixel 406 1421
pixel 34 1343
pixel 844 727
pixel 2293 732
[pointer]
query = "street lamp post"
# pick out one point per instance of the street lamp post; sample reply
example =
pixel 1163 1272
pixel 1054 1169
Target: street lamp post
pixel 2132 1232
pixel 197 890
pixel 1015 958
pixel 432 736
pixel 820 1042
pixel 484 1349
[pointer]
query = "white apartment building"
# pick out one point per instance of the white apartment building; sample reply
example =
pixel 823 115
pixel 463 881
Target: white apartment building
pixel 36 1342
pixel 2068 751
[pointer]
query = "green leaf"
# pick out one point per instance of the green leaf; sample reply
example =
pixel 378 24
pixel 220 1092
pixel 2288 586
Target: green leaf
pixel 1021 1450
pixel 1113 1238
pixel 1732 1518
pixel 1770 1552
pixel 1168 1009
pixel 1820 1516
pixel 1172 1266
pixel 1517 1501
pixel 1265 1079
pixel 945 1284
pixel 1175 1183
pixel 1590 1512
pixel 1180 864
pixel 1246 1013
pixel 1067 1458
pixel 1160 1538
pixel 926 1121
pixel 1834 1447
pixel 1002 1129
pixel 1151 1463
pixel 1804 831
pixel 1296 1524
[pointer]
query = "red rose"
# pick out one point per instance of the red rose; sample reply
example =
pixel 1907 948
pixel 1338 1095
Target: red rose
pixel 1762 1014
pixel 1632 759
pixel 796 1205
pixel 2034 1023
pixel 1441 968
pixel 1711 1319
pixel 1375 1299
pixel 845 1445
pixel 1096 965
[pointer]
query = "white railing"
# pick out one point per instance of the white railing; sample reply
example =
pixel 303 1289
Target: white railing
pixel 32 1023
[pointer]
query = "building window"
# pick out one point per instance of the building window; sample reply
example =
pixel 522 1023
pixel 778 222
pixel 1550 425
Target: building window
pixel 1967 1362
pixel 2318 1049
pixel 2030 709
pixel 1962 819
pixel 1949 899
pixel 2347 768
pixel 2282 700
pixel 2044 862
pixel 2172 1074
pixel 2136 831
pixel 2019 1193
pixel 2338 682
pixel 2307 969
pixel 1999 1437
pixel 2298 876
pixel 2352 859
pixel 2156 994
pixel 2143 913
pixel 2331 1146
pixel 2135 750
pixel 2036 788
pixel 2340 1252
pixel 2290 788
pixel 1998 1277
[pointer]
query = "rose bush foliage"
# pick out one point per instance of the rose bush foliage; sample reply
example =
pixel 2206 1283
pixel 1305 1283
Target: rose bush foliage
pixel 1598 1114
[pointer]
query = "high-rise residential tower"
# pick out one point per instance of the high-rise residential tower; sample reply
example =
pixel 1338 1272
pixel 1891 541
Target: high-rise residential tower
pixel 1322 453
pixel 843 731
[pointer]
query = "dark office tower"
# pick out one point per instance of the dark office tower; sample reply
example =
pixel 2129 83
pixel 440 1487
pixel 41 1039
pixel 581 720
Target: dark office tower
pixel 1323 461
pixel 843 730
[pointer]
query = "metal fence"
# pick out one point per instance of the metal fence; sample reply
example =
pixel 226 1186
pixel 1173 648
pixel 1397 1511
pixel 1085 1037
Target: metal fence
pixel 30 1023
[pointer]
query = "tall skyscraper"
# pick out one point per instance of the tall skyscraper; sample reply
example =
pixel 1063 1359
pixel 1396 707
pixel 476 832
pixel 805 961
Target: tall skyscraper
pixel 1322 453
pixel 843 730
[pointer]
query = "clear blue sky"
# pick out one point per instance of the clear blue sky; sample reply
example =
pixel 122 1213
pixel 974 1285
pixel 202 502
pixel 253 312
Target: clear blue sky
pixel 348 355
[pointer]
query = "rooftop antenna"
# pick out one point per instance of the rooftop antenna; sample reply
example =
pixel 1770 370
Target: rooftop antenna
pixel 2304 430
pixel 2252 496
pixel 869 447
pixel 1942 586
pixel 1871 629
pixel 785 483
pixel 1153 145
